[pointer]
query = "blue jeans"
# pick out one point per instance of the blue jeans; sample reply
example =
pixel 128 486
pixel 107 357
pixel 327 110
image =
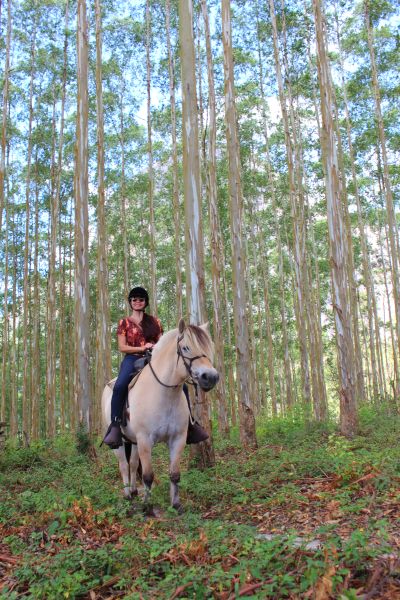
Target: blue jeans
pixel 120 391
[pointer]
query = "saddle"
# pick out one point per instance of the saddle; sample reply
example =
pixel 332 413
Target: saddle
pixel 139 366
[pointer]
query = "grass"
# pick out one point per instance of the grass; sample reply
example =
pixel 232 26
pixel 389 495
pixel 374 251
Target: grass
pixel 308 514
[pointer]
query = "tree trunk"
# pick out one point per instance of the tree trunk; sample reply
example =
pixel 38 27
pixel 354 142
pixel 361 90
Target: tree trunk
pixel 193 212
pixel 215 234
pixel 153 286
pixel 5 112
pixel 247 422
pixel 103 341
pixel 297 210
pixel 337 238
pixel 175 178
pixel 82 332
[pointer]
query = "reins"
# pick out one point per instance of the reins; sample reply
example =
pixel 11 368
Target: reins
pixel 188 362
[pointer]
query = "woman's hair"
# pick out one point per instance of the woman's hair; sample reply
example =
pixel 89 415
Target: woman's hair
pixel 150 328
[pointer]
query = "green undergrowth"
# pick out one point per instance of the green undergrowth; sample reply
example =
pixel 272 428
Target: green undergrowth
pixel 308 514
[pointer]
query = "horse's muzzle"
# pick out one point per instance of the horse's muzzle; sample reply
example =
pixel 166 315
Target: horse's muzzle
pixel 207 380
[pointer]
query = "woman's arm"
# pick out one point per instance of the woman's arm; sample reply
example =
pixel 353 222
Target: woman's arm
pixel 123 346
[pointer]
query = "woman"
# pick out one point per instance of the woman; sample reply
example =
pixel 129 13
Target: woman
pixel 136 334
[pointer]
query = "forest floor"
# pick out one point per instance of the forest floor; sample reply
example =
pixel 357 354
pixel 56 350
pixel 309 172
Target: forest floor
pixel 308 515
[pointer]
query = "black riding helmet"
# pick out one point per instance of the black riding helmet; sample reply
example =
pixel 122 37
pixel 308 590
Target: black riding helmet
pixel 138 292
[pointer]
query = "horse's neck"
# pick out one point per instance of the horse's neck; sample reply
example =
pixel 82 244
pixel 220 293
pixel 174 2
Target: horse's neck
pixel 165 363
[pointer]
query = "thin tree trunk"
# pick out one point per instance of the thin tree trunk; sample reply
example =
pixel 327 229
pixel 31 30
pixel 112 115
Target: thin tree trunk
pixel 392 326
pixel 336 231
pixel 5 112
pixel 193 212
pixel 124 234
pixel 368 280
pixel 297 209
pixel 82 331
pixel 51 291
pixel 265 275
pixel 36 392
pixel 391 217
pixel 175 178
pixel 5 341
pixel 103 341
pixel 247 422
pixel 13 353
pixel 153 287
pixel 215 233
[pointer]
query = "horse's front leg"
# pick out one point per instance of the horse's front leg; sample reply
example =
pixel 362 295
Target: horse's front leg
pixel 176 447
pixel 124 470
pixel 144 448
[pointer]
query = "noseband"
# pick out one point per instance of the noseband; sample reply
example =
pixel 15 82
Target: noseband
pixel 188 362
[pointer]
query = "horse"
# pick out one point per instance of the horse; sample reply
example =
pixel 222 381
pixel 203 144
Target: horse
pixel 158 409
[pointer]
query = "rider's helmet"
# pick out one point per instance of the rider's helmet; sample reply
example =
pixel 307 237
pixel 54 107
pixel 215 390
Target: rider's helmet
pixel 138 292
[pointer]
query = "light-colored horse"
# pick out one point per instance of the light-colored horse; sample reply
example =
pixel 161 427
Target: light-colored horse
pixel 158 410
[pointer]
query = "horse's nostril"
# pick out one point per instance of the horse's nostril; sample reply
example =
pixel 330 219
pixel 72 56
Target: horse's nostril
pixel 208 380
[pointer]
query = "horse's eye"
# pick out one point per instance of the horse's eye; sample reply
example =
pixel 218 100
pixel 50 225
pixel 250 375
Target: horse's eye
pixel 186 348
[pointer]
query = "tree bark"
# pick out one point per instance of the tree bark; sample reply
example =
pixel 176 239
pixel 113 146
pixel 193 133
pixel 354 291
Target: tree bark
pixel 103 338
pixel 5 112
pixel 247 422
pixel 82 332
pixel 152 235
pixel 193 212
pixel 337 237
pixel 215 233
pixel 175 177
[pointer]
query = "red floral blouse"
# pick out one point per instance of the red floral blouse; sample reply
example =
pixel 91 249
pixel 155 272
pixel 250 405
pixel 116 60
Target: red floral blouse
pixel 134 333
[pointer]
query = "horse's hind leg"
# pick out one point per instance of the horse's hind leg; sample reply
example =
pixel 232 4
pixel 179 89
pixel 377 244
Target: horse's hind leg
pixel 176 447
pixel 144 448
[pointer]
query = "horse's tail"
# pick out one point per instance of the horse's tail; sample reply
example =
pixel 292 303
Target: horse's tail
pixel 128 452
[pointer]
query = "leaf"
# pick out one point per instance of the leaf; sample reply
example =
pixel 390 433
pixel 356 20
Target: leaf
pixel 324 587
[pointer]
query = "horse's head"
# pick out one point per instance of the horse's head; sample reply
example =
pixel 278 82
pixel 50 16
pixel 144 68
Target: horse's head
pixel 196 350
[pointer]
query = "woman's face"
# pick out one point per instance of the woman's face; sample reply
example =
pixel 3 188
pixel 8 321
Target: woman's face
pixel 137 303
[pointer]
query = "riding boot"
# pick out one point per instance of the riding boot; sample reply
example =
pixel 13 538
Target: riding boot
pixel 196 433
pixel 113 437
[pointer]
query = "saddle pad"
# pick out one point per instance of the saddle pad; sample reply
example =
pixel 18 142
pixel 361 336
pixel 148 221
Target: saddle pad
pixel 130 386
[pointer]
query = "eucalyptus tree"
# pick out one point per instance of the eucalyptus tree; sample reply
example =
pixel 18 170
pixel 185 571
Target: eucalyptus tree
pixel 6 86
pixel 82 331
pixel 246 414
pixel 103 341
pixel 337 237
pixel 215 233
pixel 192 195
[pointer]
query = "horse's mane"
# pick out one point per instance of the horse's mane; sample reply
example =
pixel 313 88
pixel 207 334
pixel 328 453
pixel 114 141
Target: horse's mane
pixel 195 337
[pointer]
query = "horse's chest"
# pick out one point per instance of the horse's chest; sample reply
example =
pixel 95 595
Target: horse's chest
pixel 161 422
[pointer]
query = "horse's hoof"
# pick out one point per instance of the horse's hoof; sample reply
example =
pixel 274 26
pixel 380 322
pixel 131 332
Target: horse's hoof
pixel 179 508
pixel 148 510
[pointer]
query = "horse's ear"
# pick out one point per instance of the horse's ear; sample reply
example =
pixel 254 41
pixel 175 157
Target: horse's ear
pixel 181 326
pixel 205 326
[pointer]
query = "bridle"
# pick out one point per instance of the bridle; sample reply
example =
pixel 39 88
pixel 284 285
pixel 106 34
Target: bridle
pixel 188 362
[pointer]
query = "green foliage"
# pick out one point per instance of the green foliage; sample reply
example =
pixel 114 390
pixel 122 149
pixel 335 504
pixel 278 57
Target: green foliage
pixel 248 520
pixel 83 442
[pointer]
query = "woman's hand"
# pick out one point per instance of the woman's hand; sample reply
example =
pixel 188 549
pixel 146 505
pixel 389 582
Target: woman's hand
pixel 149 345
